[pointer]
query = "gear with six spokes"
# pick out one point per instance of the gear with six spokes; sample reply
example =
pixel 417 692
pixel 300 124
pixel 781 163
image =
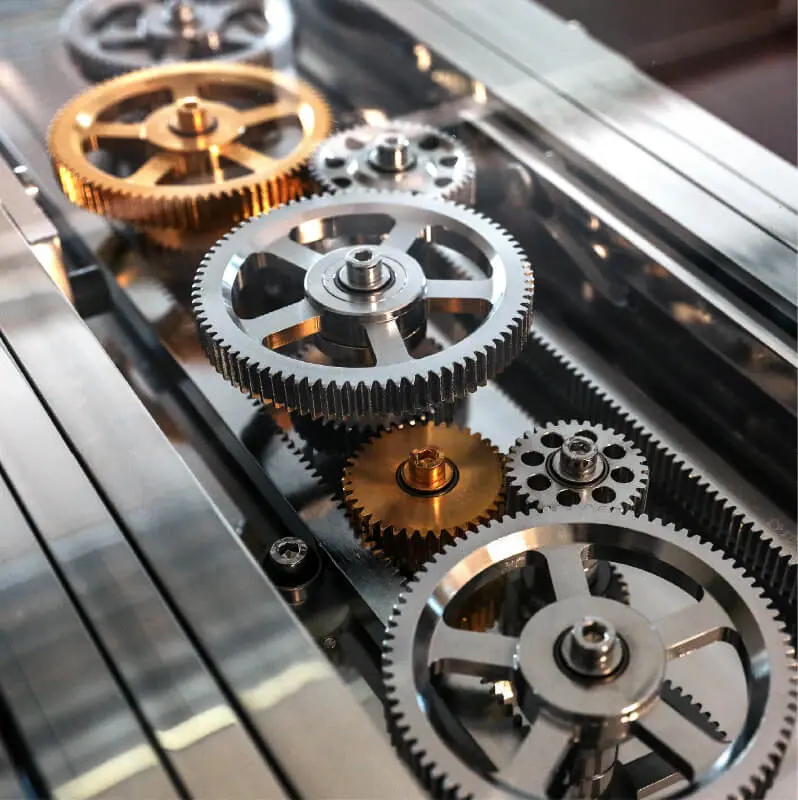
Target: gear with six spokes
pixel 401 156
pixel 106 38
pixel 576 463
pixel 188 148
pixel 413 490
pixel 365 305
pixel 588 673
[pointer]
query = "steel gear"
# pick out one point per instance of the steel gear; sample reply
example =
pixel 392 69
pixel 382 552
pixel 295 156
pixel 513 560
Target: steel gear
pixel 587 671
pixel 413 490
pixel 106 38
pixel 164 148
pixel 405 156
pixel 365 305
pixel 576 463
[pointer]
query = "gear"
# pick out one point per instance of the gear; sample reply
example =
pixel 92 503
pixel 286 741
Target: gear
pixel 405 156
pixel 588 672
pixel 576 463
pixel 106 38
pixel 164 147
pixel 413 490
pixel 365 305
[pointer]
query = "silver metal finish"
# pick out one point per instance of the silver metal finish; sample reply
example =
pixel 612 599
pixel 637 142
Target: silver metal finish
pixel 592 647
pixel 238 623
pixel 576 463
pixel 400 155
pixel 727 194
pixel 381 323
pixel 110 37
pixel 422 649
pixel 289 553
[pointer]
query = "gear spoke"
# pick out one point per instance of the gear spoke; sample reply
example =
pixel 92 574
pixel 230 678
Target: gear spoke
pixel 288 324
pixel 691 750
pixel 290 251
pixel 567 570
pixel 458 296
pixel 693 627
pixel 183 86
pixel 404 233
pixel 120 40
pixel 386 342
pixel 535 764
pixel 248 157
pixel 153 170
pixel 487 655
pixel 115 130
pixel 259 115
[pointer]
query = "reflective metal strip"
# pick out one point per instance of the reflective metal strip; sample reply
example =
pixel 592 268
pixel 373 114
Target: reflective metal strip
pixel 190 718
pixel 305 715
pixel 761 260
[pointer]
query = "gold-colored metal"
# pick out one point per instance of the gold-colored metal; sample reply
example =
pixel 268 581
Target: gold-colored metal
pixel 413 490
pixel 188 147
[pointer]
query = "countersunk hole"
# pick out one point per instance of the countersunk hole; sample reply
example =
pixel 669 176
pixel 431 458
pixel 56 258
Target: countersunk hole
pixel 539 483
pixel 342 183
pixel 430 142
pixel 532 459
pixel 441 182
pixel 588 435
pixel 448 161
pixel 552 440
pixel 622 475
pixel 334 162
pixel 354 144
pixel 603 494
pixel 614 451
pixel 568 497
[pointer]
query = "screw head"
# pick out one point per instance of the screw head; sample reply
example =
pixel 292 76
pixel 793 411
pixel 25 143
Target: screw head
pixel 289 553
pixel 592 648
pixel 578 459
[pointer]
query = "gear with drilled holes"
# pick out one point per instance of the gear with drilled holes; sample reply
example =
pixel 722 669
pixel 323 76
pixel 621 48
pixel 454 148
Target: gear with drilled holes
pixel 588 673
pixel 365 305
pixel 106 38
pixel 413 490
pixel 403 156
pixel 188 147
pixel 576 463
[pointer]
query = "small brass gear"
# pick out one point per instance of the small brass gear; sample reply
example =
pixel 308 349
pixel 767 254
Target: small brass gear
pixel 413 490
pixel 188 147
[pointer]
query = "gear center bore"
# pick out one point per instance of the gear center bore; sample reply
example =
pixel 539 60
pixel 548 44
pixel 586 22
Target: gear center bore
pixel 427 471
pixel 364 270
pixel 392 153
pixel 578 461
pixel 193 118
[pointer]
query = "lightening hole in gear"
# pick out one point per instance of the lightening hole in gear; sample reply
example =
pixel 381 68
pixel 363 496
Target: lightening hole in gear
pixel 442 182
pixel 430 142
pixel 532 459
pixel 568 497
pixel 603 494
pixel 342 183
pixel 614 451
pixel 324 234
pixel 587 435
pixel 449 162
pixel 622 475
pixel 539 482
pixel 551 440
pixel 354 144
pixel 334 162
pixel 479 263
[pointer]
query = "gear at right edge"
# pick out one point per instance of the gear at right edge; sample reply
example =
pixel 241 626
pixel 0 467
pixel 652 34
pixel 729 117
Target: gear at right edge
pixel 551 660
pixel 374 370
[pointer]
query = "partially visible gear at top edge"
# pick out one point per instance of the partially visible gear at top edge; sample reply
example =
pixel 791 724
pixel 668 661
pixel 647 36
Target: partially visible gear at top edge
pixel 168 152
pixel 576 463
pixel 403 156
pixel 374 369
pixel 413 490
pixel 106 38
pixel 621 654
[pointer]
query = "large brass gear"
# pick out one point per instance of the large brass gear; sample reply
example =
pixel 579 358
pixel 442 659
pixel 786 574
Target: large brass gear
pixel 413 490
pixel 188 147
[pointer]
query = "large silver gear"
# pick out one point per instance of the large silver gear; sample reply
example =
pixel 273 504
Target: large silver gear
pixel 586 669
pixel 106 38
pixel 370 334
pixel 565 464
pixel 402 156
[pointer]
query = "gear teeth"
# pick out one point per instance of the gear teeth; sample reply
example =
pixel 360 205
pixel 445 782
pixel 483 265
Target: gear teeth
pixel 333 397
pixel 721 524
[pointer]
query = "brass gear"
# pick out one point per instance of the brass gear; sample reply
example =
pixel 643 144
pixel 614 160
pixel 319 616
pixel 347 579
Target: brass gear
pixel 411 491
pixel 168 145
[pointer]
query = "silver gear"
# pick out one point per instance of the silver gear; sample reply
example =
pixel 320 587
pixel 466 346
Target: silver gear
pixel 106 38
pixel 576 463
pixel 402 156
pixel 370 334
pixel 422 647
